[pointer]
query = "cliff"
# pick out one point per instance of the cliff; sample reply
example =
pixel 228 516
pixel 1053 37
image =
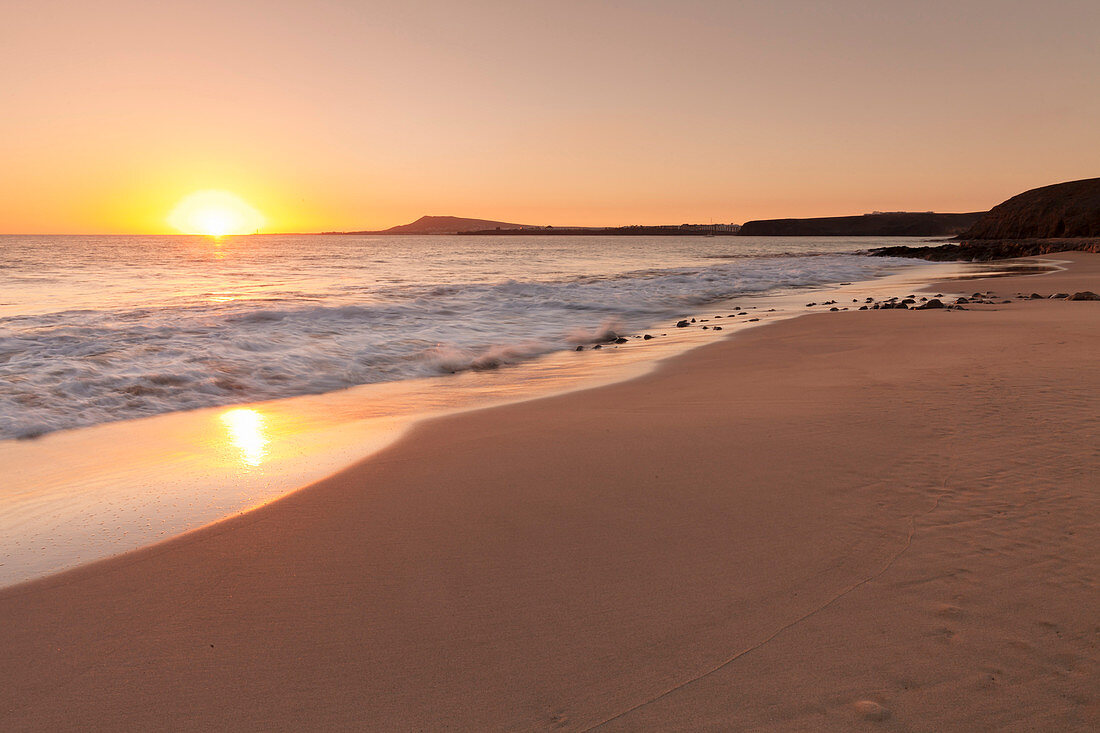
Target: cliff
pixel 1062 211
pixel 894 224
pixel 1060 218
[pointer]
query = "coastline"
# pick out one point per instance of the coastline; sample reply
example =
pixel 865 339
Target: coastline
pixel 78 496
pixel 645 554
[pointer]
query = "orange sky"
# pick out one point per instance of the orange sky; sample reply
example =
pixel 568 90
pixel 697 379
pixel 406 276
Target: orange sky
pixel 349 115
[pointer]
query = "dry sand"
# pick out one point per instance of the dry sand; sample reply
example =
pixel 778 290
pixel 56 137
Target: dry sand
pixel 884 519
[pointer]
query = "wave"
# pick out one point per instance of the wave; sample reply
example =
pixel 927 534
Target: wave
pixel 84 366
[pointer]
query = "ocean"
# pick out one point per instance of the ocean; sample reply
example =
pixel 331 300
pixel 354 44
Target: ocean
pixel 95 329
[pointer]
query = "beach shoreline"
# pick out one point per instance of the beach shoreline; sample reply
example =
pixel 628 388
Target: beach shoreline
pixel 843 519
pixel 78 496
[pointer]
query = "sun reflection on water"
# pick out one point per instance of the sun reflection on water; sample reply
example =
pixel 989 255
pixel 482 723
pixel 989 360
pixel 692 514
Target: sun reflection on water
pixel 246 433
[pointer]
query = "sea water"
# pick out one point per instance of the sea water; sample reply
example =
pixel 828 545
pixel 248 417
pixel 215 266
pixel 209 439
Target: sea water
pixel 96 329
pixel 152 385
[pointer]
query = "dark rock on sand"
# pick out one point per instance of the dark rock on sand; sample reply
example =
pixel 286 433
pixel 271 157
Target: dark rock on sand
pixel 681 324
pixel 579 348
pixel 1084 295
pixel 1059 296
pixel 620 340
pixel 934 303
pixel 647 337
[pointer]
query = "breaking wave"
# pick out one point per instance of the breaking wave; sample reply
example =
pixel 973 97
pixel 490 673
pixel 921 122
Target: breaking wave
pixel 83 366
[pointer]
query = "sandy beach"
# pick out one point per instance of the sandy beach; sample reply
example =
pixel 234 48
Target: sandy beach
pixel 882 520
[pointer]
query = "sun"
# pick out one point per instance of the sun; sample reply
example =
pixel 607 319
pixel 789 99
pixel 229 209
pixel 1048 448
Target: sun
pixel 215 214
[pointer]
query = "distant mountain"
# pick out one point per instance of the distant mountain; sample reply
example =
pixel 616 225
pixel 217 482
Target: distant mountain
pixel 889 224
pixel 1062 211
pixel 443 225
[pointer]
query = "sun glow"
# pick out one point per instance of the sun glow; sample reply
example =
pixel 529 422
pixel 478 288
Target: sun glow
pixel 215 214
pixel 246 432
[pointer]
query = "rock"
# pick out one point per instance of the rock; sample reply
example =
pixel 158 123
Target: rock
pixel 705 327
pixel 1035 296
pixel 693 320
pixel 1060 296
pixel 810 305
pixel 647 337
pixel 1084 295
pixel 909 301
pixel 834 308
pixel 871 710
pixel 742 313
pixel 960 301
pixel 1006 301
pixel 620 340
pixel 717 328
pixel 934 303
pixel 597 346
pixel 681 324
pixel 863 307
pixel 579 348
pixel 752 319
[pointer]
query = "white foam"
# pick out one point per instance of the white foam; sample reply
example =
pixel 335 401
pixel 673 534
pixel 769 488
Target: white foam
pixel 82 366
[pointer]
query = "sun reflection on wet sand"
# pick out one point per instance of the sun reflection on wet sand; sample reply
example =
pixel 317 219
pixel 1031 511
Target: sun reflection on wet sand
pixel 245 427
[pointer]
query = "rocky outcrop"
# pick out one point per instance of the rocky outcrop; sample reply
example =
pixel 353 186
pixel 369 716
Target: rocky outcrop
pixel 995 250
pixel 1064 217
pixel 1062 211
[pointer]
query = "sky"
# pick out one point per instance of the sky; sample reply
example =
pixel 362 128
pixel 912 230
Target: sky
pixel 335 115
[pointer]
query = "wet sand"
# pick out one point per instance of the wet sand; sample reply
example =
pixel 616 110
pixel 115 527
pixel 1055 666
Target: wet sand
pixel 883 519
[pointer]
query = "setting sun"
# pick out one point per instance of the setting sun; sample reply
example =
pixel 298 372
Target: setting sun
pixel 215 214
